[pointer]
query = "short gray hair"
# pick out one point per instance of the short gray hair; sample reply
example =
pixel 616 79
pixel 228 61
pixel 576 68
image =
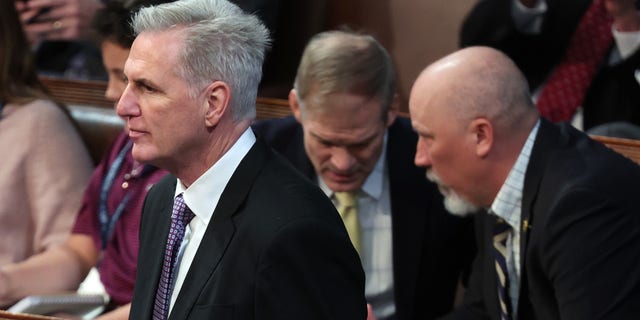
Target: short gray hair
pixel 221 42
pixel 346 62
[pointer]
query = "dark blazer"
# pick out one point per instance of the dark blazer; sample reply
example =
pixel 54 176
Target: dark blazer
pixel 580 258
pixel 614 94
pixel 431 248
pixel 275 248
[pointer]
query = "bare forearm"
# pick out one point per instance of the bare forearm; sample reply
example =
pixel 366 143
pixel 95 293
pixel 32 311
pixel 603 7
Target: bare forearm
pixel 57 269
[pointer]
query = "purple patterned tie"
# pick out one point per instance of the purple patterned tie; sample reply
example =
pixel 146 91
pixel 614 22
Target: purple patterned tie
pixel 180 218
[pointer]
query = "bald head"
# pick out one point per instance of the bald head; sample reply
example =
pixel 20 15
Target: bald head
pixel 472 112
pixel 477 82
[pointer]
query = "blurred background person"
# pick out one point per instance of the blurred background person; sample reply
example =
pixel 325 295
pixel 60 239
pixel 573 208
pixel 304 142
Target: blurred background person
pixel 59 32
pixel 45 164
pixel 576 54
pixel 65 44
pixel 105 234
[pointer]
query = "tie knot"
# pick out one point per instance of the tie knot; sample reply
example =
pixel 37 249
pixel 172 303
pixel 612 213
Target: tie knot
pixel 181 211
pixel 346 199
pixel 501 230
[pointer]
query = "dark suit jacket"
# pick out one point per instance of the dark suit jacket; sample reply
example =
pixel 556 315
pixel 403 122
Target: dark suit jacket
pixel 431 248
pixel 580 259
pixel 614 94
pixel 275 248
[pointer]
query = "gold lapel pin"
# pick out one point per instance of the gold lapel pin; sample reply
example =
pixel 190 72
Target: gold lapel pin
pixel 525 225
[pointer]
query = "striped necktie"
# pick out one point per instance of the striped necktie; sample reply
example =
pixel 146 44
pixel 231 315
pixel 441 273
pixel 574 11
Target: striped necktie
pixel 180 218
pixel 348 209
pixel 500 234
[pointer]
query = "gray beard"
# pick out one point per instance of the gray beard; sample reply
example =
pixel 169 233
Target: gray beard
pixel 455 204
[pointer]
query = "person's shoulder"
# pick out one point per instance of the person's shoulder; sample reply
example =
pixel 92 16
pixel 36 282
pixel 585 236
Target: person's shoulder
pixel 401 145
pixel 401 127
pixel 45 114
pixel 166 185
pixel 288 183
pixel 168 181
pixel 576 160
pixel 40 107
pixel 270 128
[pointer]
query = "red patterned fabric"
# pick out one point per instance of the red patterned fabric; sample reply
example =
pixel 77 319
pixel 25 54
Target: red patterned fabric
pixel 566 87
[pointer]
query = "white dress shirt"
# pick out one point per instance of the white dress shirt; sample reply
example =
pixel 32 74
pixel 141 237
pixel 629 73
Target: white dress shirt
pixel 202 198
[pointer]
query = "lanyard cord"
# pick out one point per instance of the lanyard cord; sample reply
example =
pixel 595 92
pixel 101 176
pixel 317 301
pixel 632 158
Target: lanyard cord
pixel 107 223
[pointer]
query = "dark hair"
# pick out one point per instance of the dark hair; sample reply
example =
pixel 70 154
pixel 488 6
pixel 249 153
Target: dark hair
pixel 18 77
pixel 113 22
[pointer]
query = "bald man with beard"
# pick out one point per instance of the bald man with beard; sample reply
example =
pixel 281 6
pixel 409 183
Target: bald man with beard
pixel 568 204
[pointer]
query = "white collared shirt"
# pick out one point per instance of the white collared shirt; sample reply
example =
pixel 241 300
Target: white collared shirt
pixel 376 250
pixel 202 198
pixel 508 206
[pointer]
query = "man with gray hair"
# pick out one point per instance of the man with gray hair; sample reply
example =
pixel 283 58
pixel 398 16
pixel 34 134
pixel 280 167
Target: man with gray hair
pixel 347 137
pixel 248 237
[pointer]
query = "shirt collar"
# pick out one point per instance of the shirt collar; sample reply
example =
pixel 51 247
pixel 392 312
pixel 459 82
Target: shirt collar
pixel 202 196
pixel 508 202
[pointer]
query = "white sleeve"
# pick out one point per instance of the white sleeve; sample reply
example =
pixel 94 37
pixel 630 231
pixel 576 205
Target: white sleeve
pixel 528 20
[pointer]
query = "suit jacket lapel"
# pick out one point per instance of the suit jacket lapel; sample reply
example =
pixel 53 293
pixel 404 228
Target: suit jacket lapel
pixel 155 227
pixel 220 230
pixel 406 224
pixel 546 141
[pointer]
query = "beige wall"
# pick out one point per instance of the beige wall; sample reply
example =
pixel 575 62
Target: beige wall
pixel 416 32
pixel 424 31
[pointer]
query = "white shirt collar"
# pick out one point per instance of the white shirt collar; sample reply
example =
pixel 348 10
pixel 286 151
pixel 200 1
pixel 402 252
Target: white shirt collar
pixel 508 202
pixel 202 196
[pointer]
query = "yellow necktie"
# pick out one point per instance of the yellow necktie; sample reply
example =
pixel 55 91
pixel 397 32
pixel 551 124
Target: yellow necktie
pixel 348 209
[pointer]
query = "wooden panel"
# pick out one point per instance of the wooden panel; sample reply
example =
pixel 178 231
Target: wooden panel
pixel 627 147
pixel 268 108
pixel 91 94
pixel 5 315
pixel 72 92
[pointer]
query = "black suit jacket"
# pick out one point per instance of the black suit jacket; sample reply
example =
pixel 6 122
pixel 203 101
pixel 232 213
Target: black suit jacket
pixel 614 94
pixel 431 248
pixel 275 248
pixel 580 258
